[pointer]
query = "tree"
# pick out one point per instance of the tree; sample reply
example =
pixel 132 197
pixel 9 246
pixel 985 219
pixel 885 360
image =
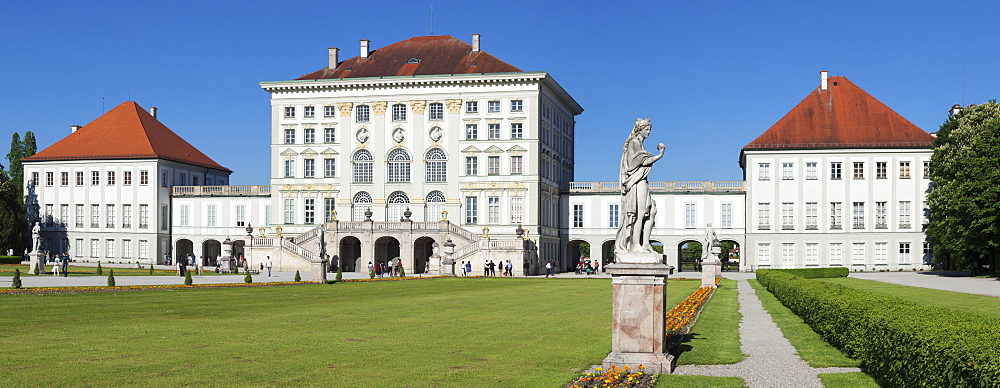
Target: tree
pixel 111 278
pixel 13 225
pixel 187 278
pixel 964 200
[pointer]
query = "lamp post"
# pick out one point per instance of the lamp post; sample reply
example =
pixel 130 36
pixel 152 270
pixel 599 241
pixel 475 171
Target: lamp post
pixel 448 264
pixel 444 215
pixel 261 230
pixel 486 232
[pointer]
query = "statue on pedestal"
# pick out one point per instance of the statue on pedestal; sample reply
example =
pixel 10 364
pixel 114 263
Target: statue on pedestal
pixel 36 238
pixel 710 238
pixel 637 203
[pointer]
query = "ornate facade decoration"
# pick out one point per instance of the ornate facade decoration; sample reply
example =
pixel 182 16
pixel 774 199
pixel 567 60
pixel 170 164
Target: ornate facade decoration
pixel 345 108
pixel 379 107
pixel 454 106
pixel 418 106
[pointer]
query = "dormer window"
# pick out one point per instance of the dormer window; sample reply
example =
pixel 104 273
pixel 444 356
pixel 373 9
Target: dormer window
pixel 412 61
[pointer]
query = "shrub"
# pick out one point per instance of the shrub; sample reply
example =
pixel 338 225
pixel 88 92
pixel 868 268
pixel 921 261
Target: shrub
pixel 899 343
pixel 38 268
pixel 402 273
pixel 99 270
pixel 340 273
pixel 187 278
pixel 371 274
pixel 16 282
pixel 298 278
pixel 111 278
pixel 813 273
pixel 247 278
pixel 11 259
pixel 150 269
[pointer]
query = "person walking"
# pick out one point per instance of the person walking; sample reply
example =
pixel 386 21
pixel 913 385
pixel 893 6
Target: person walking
pixel 549 270
pixel 371 267
pixel 399 267
pixel 510 269
pixel 65 266
pixel 55 266
pixel 468 267
pixel 267 264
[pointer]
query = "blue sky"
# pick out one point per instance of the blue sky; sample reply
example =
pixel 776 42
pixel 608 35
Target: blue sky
pixel 711 75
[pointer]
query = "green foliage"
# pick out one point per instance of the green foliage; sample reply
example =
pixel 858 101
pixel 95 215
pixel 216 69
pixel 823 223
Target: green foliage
pixel 402 272
pixel 585 249
pixel 371 274
pixel 657 247
pixel 150 269
pixel 715 337
pixel 812 273
pixel 16 282
pixel 13 225
pixel 340 273
pixel 99 270
pixel 691 251
pixel 111 278
pixel 11 259
pixel 899 343
pixel 38 269
pixel 298 278
pixel 247 278
pixel 187 278
pixel 964 200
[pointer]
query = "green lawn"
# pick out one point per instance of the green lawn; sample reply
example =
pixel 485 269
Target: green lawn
pixel 979 304
pixel 850 379
pixel 439 332
pixel 699 381
pixel 8 270
pixel 715 338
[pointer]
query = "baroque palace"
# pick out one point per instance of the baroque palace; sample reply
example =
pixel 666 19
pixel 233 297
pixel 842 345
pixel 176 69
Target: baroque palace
pixel 432 148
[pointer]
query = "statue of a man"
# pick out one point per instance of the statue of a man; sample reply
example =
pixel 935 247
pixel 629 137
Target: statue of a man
pixel 637 203
pixel 710 237
pixel 36 237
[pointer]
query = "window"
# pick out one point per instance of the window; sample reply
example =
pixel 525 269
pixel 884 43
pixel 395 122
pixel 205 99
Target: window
pixel 183 180
pixel 812 254
pixel 436 111
pixel 310 206
pixel 437 165
pixel 34 178
pixel 858 253
pixel 289 111
pixel 95 249
pixel 787 255
pixel 904 170
pixel 493 210
pixel 289 210
pixel 329 205
pixel 127 179
pixel 880 216
pixel 927 214
pixel 836 254
pixel 517 131
pixel 763 216
pixel 362 113
pixel 289 136
pixel 309 111
pixel 109 216
pixel 881 253
pixel 78 248
pixel 143 216
pixel 127 248
pixel 165 217
pixel 516 105
pixel 329 168
pixel 904 253
pixel 881 170
pixel 95 216
pixel 471 210
pixel 185 215
pixel 329 111
pixel 126 216
pixel 329 135
pixel 904 214
pixel 64 215
pixel 764 171
pixel 79 178
pixel 471 132
pixel 399 167
pixel 493 131
pixel 49 179
pixel 517 164
pixel 859 215
pixel 362 169
pixel 79 216
pixel 289 168
pixel 577 216
pixel 516 209
pixel 690 215
pixel 787 171
pixel 48 214
pixel 95 178
pixel 361 203
pixel 927 170
pixel 398 112
pixel 143 249
pixel 194 180
pixel 163 178
pixel 763 254
pixel 836 215
pixel 835 170
pixel 267 214
pixel 471 166
pixel 787 216
pixel 471 107
pixel 614 211
pixel 812 215
pixel 64 179
pixel 435 205
pixel 109 248
pixel 309 168
pixel 859 170
pixel 143 178
pixel 493 165
pixel 241 215
pixel 726 213
pixel 309 135
pixel 812 171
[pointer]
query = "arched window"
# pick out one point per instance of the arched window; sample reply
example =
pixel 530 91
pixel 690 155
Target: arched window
pixel 395 205
pixel 362 166
pixel 437 165
pixel 435 205
pixel 362 201
pixel 399 166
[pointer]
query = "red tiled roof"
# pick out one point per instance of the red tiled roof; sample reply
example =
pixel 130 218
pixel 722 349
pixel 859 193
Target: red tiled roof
pixel 441 54
pixel 125 132
pixel 843 116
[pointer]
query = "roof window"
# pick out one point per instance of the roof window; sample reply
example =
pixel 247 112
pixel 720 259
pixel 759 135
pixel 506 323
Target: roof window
pixel 412 61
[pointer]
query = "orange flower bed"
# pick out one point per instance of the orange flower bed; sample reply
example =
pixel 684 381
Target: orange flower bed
pixel 64 290
pixel 615 377
pixel 682 317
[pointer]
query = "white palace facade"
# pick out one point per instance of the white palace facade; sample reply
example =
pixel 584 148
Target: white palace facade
pixel 389 154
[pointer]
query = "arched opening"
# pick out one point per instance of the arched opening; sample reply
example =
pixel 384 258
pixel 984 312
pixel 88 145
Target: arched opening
pixel 350 253
pixel 238 250
pixel 689 256
pixel 361 203
pixel 730 255
pixel 211 249
pixel 184 247
pixel 576 251
pixel 608 250
pixel 423 248
pixel 386 249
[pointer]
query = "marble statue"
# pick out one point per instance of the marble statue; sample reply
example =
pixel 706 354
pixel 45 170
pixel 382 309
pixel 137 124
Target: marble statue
pixel 36 238
pixel 706 247
pixel 637 203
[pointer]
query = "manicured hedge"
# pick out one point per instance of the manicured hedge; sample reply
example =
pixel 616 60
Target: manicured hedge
pixel 899 343
pixel 11 259
pixel 813 273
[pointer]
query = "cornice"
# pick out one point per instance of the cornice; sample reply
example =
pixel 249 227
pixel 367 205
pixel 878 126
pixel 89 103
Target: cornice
pixel 403 81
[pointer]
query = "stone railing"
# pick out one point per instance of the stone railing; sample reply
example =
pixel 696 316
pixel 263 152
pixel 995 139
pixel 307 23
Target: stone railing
pixel 657 187
pixel 221 191
pixel 297 250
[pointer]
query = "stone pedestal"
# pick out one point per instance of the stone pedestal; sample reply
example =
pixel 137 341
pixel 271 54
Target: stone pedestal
pixel 638 312
pixel 36 259
pixel 447 266
pixel 318 270
pixel 710 270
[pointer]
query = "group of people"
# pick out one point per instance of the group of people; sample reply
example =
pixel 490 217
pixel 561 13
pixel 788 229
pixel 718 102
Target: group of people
pixel 489 268
pixel 189 260
pixel 383 269
pixel 585 266
pixel 61 265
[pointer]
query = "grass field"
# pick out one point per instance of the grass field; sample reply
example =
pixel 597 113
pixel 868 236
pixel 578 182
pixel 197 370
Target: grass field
pixel 715 338
pixel 8 270
pixel 979 304
pixel 440 332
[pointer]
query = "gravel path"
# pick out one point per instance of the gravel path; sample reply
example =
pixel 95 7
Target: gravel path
pixel 771 361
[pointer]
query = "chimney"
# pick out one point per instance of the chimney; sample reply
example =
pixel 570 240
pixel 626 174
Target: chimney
pixel 475 43
pixel 333 57
pixel 74 128
pixel 955 109
pixel 152 111
pixel 364 48
pixel 822 80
